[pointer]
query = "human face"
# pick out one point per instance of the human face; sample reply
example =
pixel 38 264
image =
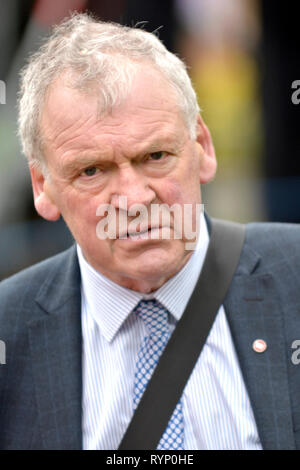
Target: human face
pixel 141 150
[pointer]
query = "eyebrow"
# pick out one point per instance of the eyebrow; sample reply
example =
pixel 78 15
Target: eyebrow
pixel 82 160
pixel 86 158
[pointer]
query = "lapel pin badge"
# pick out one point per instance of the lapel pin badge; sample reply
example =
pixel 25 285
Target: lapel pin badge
pixel 259 345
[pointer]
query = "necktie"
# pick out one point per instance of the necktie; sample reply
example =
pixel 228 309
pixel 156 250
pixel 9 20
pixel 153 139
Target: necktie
pixel 155 317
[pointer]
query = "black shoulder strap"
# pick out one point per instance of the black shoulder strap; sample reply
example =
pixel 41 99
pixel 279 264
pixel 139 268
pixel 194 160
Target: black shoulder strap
pixel 183 349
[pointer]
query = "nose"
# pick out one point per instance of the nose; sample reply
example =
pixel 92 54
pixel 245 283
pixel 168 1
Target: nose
pixel 133 187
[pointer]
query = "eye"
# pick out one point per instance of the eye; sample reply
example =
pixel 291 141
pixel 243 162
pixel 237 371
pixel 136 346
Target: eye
pixel 157 155
pixel 90 171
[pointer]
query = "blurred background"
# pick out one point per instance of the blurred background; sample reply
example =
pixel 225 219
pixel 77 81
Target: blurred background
pixel 243 57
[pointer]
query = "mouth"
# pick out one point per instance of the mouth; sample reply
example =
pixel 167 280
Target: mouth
pixel 143 234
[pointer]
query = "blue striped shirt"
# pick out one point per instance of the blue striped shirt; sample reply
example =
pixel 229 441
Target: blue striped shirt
pixel 216 407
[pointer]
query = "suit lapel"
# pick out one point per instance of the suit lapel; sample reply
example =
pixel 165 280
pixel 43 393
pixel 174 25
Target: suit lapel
pixel 254 312
pixel 55 345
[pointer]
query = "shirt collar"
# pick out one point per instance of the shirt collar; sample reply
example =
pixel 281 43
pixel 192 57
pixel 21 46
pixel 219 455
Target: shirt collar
pixel 110 304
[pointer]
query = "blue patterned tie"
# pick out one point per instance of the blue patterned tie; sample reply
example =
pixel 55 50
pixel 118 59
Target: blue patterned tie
pixel 155 317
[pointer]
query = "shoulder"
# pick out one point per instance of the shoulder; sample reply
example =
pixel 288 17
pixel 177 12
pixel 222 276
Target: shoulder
pixel 53 280
pixel 15 290
pixel 274 240
pixel 271 248
pixel 276 231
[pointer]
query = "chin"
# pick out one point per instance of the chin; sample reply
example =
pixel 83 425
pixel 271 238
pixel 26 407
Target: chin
pixel 156 264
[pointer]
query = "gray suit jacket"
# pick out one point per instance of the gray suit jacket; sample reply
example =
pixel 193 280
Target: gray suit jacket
pixel 40 308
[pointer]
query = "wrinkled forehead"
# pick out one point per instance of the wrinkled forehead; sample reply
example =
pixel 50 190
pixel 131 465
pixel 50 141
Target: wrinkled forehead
pixel 151 105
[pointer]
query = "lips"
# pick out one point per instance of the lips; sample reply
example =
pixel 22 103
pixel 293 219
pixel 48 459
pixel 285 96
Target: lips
pixel 136 233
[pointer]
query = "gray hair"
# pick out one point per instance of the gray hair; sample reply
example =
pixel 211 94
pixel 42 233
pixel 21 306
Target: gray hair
pixel 90 52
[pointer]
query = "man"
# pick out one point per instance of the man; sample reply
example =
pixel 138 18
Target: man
pixel 110 123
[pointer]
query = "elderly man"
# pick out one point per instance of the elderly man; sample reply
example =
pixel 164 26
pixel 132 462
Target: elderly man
pixel 109 121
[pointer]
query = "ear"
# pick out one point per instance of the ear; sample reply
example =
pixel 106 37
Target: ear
pixel 44 205
pixel 208 166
